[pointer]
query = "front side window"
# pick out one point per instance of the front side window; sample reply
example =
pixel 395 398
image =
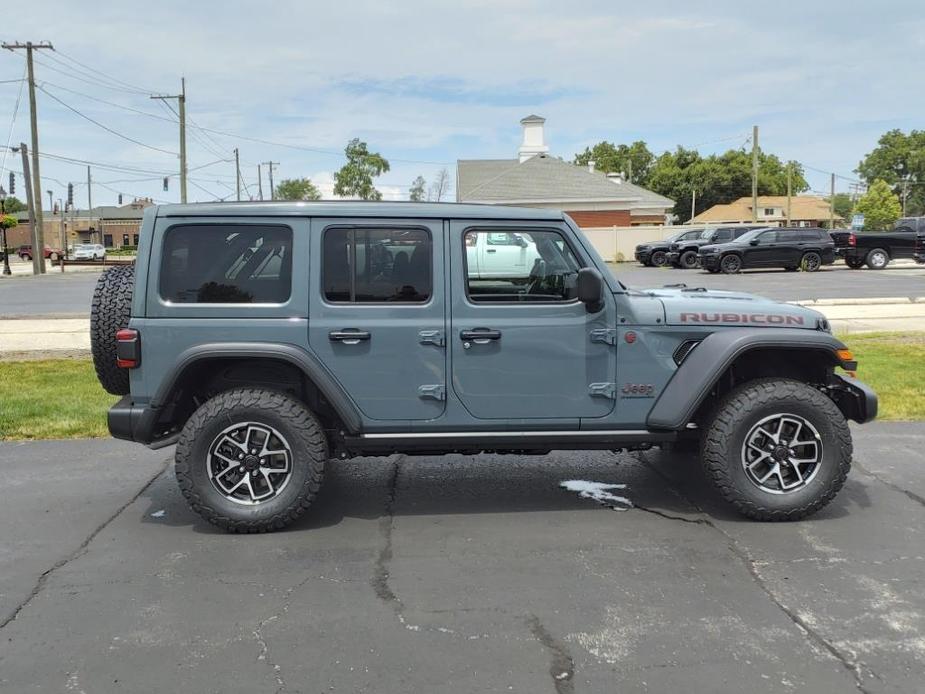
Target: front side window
pixel 722 235
pixel 767 238
pixel 377 265
pixel 227 264
pixel 532 266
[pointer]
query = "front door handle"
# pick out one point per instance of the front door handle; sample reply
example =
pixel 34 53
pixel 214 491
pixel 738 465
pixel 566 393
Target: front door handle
pixel 348 337
pixel 479 336
pixel 491 250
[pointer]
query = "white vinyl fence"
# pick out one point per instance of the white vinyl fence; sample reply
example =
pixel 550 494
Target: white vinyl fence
pixel 618 244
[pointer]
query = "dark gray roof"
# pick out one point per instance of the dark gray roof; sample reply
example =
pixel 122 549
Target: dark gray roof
pixel 352 208
pixel 544 179
pixel 102 212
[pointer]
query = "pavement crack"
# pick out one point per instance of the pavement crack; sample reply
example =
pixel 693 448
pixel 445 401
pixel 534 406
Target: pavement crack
pixel 561 665
pixel 895 487
pixel 741 553
pixel 80 551
pixel 380 579
pixel 694 521
pixel 264 654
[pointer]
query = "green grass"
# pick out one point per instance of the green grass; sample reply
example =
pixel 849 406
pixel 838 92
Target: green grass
pixel 52 399
pixel 61 398
pixel 891 364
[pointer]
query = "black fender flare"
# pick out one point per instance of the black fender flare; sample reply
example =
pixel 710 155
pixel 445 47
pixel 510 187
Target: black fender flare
pixel 691 383
pixel 306 362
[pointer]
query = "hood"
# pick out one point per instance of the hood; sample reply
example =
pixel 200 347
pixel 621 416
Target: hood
pixel 697 306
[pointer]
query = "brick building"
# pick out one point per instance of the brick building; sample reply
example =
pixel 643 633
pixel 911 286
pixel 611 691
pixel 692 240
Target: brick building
pixel 536 179
pixel 113 226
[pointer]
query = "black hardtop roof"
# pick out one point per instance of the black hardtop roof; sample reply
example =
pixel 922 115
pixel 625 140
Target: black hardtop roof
pixel 353 208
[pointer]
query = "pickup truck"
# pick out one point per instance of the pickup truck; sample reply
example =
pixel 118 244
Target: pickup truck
pixel 873 248
pixel 500 255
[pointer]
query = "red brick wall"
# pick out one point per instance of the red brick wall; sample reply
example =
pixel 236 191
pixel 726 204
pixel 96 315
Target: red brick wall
pixel 600 218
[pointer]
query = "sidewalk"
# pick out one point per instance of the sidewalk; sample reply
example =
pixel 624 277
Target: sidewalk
pixel 69 336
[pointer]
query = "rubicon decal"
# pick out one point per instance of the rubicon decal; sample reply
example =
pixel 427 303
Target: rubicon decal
pixel 745 318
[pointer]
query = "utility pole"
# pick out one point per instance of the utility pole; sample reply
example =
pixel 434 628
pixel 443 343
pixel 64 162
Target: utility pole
pixel 789 189
pixel 629 171
pixel 693 204
pixel 259 182
pixel 905 194
pixel 271 164
pixel 38 259
pixel 832 205
pixel 755 173
pixel 181 103
pixel 237 174
pixel 38 227
pixel 90 201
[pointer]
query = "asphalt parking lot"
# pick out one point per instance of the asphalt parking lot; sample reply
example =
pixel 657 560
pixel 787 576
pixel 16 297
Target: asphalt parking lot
pixel 460 574
pixel 68 294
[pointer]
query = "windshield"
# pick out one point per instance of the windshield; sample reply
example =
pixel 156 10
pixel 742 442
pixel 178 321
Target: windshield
pixel 83 247
pixel 707 233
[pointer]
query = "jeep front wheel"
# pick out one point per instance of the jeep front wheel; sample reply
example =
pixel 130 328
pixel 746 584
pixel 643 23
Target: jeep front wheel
pixel 777 449
pixel 659 259
pixel 688 260
pixel 251 460
pixel 731 264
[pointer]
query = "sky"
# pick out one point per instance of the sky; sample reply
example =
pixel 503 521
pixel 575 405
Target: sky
pixel 427 83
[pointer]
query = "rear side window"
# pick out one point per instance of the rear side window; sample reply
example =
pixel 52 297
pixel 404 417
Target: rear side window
pixel 377 265
pixel 810 235
pixel 743 230
pixel 722 235
pixel 227 264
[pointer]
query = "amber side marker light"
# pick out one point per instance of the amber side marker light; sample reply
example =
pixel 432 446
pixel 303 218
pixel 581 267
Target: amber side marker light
pixel 846 357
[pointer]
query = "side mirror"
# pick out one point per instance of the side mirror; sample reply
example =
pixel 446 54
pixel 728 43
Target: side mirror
pixel 520 241
pixel 590 287
pixel 753 242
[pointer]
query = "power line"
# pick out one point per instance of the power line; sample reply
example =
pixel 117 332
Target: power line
pixel 94 83
pixel 110 103
pixel 12 81
pixel 9 139
pixel 100 72
pixel 106 127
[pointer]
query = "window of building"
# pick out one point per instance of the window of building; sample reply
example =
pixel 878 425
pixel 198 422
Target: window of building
pixel 227 264
pixel 377 265
pixel 107 240
pixel 530 266
pixel 124 239
pixel 769 211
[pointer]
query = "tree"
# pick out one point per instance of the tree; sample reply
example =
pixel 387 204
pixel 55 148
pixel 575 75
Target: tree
pixel 634 160
pixel 297 189
pixel 8 221
pixel 880 207
pixel 899 160
pixel 440 187
pixel 355 178
pixel 418 190
pixel 844 206
pixel 13 204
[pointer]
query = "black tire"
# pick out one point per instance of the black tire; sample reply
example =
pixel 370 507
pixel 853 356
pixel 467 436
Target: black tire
pixel 792 268
pixel 877 259
pixel 734 419
pixel 658 259
pixel 25 256
pixel 688 260
pixel 307 445
pixel 811 262
pixel 854 263
pixel 713 270
pixel 110 311
pixel 730 264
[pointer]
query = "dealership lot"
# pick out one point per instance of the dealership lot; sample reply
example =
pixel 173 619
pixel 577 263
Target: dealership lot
pixel 460 574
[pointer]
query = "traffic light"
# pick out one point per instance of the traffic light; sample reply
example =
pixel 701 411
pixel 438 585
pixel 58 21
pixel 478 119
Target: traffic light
pixel 166 178
pixel 120 198
pixel 70 194
pixel 12 184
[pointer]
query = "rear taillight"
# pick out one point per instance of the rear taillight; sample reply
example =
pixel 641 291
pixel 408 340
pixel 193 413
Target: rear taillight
pixel 852 239
pixel 128 348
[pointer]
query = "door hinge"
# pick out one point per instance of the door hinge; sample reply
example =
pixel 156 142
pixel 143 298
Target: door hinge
pixel 603 390
pixel 606 335
pixel 431 337
pixel 435 392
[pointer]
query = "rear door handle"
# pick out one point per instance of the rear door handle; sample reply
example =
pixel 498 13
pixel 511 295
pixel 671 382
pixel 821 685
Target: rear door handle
pixel 348 337
pixel 480 336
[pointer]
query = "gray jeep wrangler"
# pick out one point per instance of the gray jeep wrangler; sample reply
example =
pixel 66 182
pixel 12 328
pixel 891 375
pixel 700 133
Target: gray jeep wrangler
pixel 266 339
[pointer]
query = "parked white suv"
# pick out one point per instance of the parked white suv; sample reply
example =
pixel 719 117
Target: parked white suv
pixel 89 251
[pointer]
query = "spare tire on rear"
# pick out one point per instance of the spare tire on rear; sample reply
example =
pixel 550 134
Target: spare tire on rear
pixel 110 311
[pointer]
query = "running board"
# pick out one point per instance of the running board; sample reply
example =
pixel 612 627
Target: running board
pixel 469 441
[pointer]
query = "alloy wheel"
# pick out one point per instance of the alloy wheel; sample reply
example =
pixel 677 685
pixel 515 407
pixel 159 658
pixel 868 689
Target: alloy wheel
pixel 249 463
pixel 782 453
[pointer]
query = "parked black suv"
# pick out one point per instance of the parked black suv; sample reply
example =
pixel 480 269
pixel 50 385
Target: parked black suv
pixel 683 254
pixel 808 248
pixel 655 254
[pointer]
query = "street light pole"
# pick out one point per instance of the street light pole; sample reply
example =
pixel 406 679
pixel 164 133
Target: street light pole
pixel 6 251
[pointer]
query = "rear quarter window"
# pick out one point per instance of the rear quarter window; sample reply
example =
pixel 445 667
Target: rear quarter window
pixel 227 264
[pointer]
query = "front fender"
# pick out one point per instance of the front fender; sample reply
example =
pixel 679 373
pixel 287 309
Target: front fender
pixel 692 382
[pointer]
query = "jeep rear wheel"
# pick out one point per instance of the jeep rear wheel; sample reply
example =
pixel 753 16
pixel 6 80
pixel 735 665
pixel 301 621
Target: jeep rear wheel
pixel 251 460
pixel 777 449
pixel 688 260
pixel 110 311
pixel 811 262
pixel 854 263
